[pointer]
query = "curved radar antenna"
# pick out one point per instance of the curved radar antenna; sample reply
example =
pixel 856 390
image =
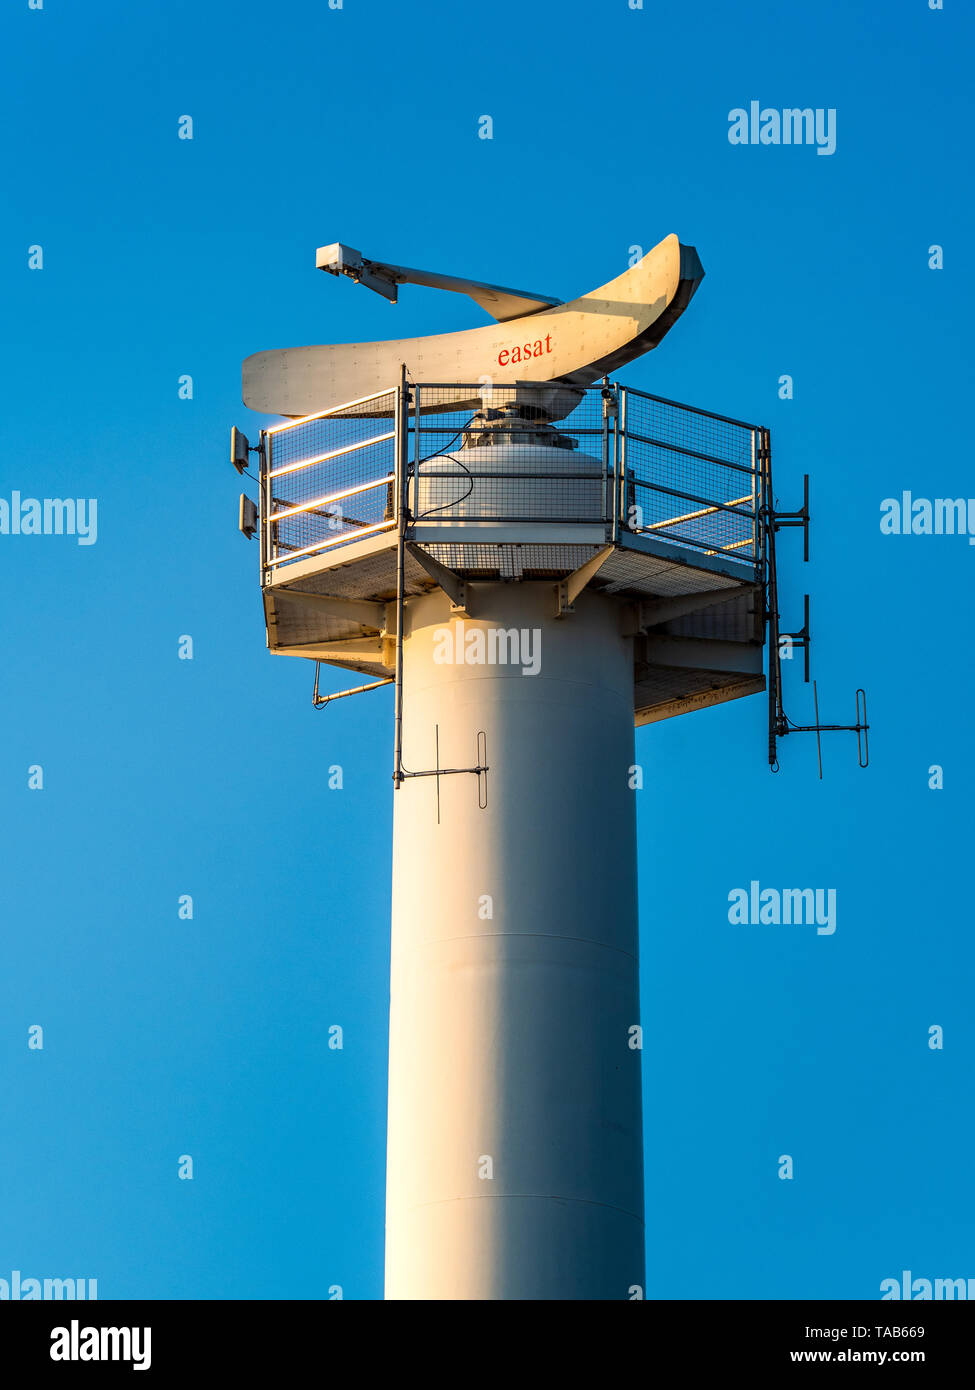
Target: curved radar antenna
pixel 536 338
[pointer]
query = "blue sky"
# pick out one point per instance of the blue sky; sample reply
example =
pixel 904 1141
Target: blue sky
pixel 164 257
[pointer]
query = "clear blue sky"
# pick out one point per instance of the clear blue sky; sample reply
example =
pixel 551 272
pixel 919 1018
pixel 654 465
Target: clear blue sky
pixel 162 777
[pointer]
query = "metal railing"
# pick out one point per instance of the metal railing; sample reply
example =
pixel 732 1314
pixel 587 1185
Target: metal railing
pixel 328 479
pixel 637 465
pixel 692 477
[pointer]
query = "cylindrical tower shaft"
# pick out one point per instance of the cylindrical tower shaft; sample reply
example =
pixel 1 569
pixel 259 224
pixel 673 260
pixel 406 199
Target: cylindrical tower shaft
pixel 515 1166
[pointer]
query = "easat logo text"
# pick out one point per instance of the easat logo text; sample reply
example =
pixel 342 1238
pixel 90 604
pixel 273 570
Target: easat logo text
pixel 507 357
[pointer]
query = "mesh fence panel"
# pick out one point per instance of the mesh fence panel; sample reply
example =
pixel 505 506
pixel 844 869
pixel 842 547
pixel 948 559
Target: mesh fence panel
pixel 548 472
pixel 360 452
pixel 690 477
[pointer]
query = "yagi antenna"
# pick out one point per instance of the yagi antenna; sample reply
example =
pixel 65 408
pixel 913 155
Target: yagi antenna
pixel 859 728
pixel 779 722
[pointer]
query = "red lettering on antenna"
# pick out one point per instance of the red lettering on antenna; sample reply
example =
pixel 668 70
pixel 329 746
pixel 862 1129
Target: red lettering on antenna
pixel 508 357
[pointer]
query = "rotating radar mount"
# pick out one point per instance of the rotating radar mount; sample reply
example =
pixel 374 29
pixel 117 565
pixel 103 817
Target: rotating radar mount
pixel 537 559
pixel 538 370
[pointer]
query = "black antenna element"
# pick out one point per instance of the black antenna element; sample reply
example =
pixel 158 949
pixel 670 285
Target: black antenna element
pixel 779 723
pixel 859 728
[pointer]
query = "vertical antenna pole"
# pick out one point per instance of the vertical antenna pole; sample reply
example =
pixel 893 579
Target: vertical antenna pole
pixel 402 436
pixel 755 493
pixel 807 634
pixel 805 517
pixel 264 496
pixel 621 465
pixel 605 438
pixel 863 750
pixel 436 736
pixel 819 741
pixel 772 601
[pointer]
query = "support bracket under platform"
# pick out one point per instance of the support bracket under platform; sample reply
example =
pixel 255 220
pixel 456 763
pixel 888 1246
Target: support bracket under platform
pixel 456 589
pixel 569 589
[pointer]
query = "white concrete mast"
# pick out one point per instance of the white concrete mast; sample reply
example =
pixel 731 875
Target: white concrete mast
pixel 527 613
